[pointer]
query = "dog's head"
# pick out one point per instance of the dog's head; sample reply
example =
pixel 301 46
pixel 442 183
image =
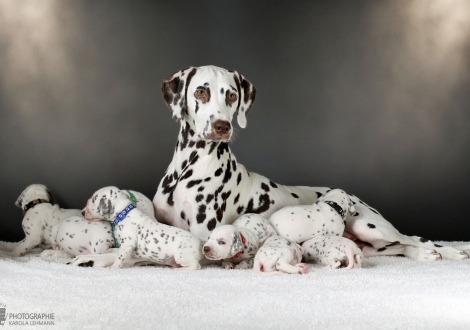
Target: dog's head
pixel 207 98
pixel 33 192
pixel 105 204
pixel 224 242
pixel 341 198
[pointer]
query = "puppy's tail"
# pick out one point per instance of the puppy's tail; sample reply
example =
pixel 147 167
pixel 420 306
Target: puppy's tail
pixel 351 259
pixel 259 268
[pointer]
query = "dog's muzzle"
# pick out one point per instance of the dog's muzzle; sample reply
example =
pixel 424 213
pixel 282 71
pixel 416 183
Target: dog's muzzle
pixel 221 130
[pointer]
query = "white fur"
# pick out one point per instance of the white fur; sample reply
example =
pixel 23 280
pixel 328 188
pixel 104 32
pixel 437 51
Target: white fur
pixel 279 254
pixel 225 241
pixel 141 236
pixel 38 220
pixel 332 252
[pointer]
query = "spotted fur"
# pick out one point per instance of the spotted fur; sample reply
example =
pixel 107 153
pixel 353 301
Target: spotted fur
pixel 279 255
pixel 238 243
pixel 142 237
pixel 202 155
pixel 332 252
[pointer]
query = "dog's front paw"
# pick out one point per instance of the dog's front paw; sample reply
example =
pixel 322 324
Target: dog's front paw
pixel 303 268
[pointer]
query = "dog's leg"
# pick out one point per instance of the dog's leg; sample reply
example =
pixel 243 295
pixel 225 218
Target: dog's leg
pixel 97 260
pixel 369 226
pixel 24 246
pixel 123 257
pixel 283 266
pixel 245 264
pixel 55 253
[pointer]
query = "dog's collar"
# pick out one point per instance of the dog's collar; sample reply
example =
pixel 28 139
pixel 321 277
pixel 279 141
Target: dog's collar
pixel 131 195
pixel 116 242
pixel 32 204
pixel 336 207
pixel 122 215
pixel 243 242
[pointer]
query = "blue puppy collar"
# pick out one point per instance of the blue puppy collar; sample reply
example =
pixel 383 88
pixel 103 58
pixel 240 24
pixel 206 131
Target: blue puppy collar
pixel 122 215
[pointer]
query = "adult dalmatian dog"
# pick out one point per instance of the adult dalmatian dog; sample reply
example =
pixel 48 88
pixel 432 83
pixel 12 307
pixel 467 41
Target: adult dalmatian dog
pixel 204 185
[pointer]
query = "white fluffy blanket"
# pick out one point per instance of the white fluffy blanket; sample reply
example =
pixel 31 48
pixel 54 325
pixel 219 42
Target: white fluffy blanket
pixel 387 293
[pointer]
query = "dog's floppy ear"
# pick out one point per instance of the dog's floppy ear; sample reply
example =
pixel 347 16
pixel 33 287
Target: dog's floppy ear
pixel 51 198
pixel 247 93
pixel 20 198
pixel 174 89
pixel 237 244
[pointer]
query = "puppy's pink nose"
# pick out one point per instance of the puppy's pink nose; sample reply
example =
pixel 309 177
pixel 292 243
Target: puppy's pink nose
pixel 221 127
pixel 207 249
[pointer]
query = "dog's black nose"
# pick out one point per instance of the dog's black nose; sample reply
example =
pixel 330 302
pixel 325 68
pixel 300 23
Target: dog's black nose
pixel 221 127
pixel 207 249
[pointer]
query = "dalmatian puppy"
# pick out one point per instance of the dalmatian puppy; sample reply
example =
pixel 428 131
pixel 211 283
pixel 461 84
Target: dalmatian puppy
pixel 238 243
pixel 325 217
pixel 279 254
pixel 332 252
pixel 39 216
pixel 77 236
pixel 204 185
pixel 141 236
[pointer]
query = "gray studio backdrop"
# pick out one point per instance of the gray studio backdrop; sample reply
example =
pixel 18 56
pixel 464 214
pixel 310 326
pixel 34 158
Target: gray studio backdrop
pixel 369 96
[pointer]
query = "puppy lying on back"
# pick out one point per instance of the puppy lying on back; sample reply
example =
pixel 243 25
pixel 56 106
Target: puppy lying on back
pixel 39 216
pixel 141 236
pixel 325 217
pixel 238 243
pixel 77 236
pixel 332 252
pixel 279 254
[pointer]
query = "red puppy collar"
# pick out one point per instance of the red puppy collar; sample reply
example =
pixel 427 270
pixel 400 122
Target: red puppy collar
pixel 243 241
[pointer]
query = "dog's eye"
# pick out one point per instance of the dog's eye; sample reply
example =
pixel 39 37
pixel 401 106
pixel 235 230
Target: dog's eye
pixel 199 93
pixel 221 242
pixel 232 97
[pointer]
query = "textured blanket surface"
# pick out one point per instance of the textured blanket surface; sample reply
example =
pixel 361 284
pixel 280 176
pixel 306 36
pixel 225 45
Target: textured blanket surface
pixel 387 293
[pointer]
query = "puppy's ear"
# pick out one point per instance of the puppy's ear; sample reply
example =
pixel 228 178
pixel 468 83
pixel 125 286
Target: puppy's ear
pixel 104 205
pixel 237 244
pixel 174 89
pixel 19 201
pixel 352 209
pixel 51 198
pixel 247 93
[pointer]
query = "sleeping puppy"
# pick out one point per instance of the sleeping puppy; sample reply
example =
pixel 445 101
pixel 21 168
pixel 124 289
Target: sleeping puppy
pixel 39 216
pixel 279 255
pixel 141 236
pixel 77 236
pixel 238 243
pixel 325 217
pixel 332 252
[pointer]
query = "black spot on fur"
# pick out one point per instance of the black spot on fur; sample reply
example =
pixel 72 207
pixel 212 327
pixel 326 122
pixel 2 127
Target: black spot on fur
pixel 211 224
pixel 218 172
pixel 239 179
pixel 201 215
pixel 265 187
pixel 223 147
pixel 370 225
pixel 192 183
pixel 201 144
pixel 319 194
pixel 294 195
pixel 199 198
pixel 187 175
pixel 209 198
pixel 235 201
pixel 423 240
pixel 382 249
pixel 273 184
